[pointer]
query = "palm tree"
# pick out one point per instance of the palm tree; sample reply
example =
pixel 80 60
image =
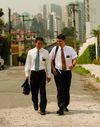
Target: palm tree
pixel 96 33
pixel 1 12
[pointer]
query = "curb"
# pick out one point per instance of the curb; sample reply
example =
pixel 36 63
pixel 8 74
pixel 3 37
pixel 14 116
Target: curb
pixel 92 81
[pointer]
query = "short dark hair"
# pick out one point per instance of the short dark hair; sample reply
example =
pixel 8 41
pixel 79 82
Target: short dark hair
pixel 61 36
pixel 39 39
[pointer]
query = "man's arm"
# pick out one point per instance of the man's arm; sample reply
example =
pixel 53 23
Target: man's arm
pixel 48 68
pixel 74 61
pixel 27 66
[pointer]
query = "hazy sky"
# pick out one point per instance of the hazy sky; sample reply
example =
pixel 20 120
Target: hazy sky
pixel 28 5
pixel 31 6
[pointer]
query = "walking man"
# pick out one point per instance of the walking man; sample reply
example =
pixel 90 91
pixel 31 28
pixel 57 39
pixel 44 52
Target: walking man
pixel 38 68
pixel 65 59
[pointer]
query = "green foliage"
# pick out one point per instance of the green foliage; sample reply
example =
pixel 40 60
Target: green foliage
pixel 1 25
pixel 4 48
pixel 96 33
pixel 97 61
pixel 1 12
pixel 88 56
pixel 80 70
pixel 69 41
pixel 37 26
pixel 22 58
pixel 68 31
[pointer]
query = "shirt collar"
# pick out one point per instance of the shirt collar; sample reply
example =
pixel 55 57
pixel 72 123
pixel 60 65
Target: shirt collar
pixel 39 50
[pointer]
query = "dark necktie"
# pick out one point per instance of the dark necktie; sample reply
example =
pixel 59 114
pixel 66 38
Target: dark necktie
pixel 63 60
pixel 37 61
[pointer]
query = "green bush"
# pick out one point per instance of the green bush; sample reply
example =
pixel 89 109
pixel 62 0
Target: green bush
pixel 97 61
pixel 22 58
pixel 88 56
pixel 80 70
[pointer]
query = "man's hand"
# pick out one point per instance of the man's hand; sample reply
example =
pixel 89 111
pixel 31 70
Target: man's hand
pixel 27 77
pixel 48 79
pixel 54 71
pixel 71 67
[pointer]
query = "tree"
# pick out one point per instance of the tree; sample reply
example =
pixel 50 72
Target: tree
pixel 96 33
pixel 37 27
pixel 68 31
pixel 1 25
pixel 4 48
pixel 1 12
pixel 1 21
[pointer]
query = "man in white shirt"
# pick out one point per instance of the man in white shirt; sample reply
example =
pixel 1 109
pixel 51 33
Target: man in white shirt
pixel 65 59
pixel 38 68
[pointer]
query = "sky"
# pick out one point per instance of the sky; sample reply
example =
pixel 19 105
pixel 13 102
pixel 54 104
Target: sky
pixel 31 6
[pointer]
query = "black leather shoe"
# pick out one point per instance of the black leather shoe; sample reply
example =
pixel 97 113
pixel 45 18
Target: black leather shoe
pixel 42 112
pixel 36 107
pixel 60 112
pixel 66 109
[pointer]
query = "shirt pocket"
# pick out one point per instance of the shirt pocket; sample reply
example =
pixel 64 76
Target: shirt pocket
pixel 42 59
pixel 68 60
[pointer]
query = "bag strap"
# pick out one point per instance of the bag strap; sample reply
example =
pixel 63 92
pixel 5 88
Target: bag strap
pixel 56 51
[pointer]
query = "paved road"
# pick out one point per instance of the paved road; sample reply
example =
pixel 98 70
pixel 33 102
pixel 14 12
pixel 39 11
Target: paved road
pixel 16 110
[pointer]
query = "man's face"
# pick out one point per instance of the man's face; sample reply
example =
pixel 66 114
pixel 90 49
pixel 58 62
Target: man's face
pixel 60 42
pixel 38 44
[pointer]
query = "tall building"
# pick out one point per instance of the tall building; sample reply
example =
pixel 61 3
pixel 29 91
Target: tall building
pixel 75 18
pixel 57 9
pixel 92 14
pixel 15 19
pixel 80 21
pixel 50 25
pixel 87 17
pixel 45 18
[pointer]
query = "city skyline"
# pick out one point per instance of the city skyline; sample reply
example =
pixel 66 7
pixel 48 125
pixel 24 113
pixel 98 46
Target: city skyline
pixel 31 6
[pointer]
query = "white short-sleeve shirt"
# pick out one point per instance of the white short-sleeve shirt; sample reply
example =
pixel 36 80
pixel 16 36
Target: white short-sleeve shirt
pixel 44 61
pixel 69 54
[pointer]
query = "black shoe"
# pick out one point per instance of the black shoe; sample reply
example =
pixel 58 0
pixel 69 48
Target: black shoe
pixel 66 109
pixel 42 112
pixel 60 112
pixel 36 107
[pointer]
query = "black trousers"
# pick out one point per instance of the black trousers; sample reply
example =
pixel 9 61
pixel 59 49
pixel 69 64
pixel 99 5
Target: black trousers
pixel 63 82
pixel 38 82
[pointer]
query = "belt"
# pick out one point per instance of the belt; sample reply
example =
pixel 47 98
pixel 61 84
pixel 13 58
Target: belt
pixel 37 71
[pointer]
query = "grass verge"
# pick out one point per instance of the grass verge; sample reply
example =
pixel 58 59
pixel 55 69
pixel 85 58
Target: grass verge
pixel 82 71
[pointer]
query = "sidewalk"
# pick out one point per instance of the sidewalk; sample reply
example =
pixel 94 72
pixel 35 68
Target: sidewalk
pixel 94 69
pixel 95 72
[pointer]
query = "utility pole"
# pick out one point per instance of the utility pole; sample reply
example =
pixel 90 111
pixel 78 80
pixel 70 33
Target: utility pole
pixel 10 27
pixel 23 19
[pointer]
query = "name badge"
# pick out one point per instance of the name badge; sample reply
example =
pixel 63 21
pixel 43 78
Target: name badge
pixel 43 59
pixel 67 56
